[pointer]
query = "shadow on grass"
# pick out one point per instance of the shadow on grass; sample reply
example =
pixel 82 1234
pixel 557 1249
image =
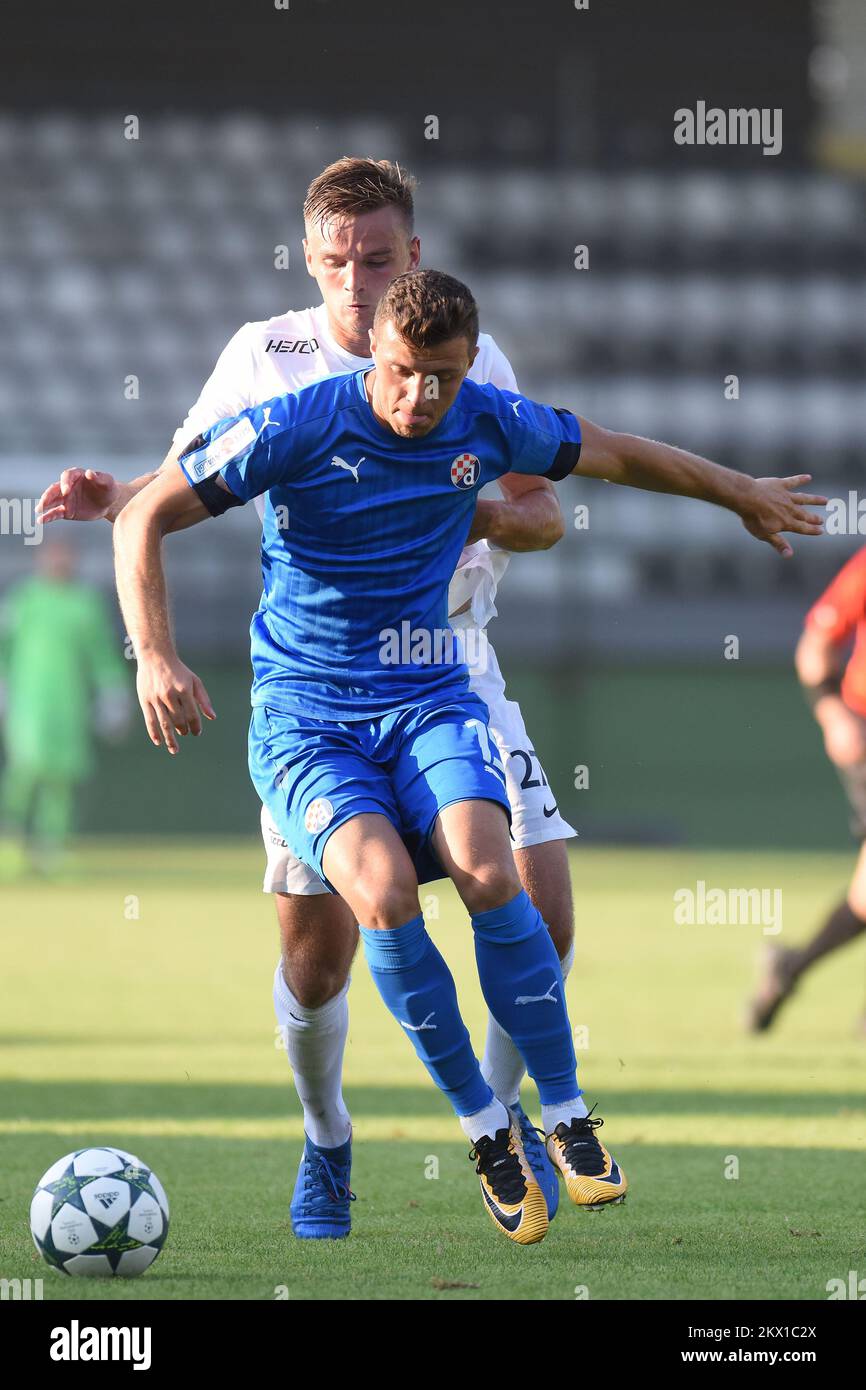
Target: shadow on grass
pixel 47 1101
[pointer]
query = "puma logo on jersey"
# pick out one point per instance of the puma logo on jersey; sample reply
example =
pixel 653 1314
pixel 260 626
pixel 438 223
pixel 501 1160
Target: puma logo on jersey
pixel 418 1027
pixel 547 998
pixel 337 462
pixel 276 424
pixel 495 771
pixel 515 406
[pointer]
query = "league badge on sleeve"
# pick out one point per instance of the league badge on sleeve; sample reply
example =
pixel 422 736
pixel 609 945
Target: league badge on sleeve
pixel 464 470
pixel 202 462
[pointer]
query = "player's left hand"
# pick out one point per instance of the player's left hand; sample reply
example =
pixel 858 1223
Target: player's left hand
pixel 774 505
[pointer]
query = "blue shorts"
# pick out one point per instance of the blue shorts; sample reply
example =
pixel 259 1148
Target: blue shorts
pixel 314 774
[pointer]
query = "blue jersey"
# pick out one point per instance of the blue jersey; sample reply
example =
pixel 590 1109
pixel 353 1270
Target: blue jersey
pixel 362 532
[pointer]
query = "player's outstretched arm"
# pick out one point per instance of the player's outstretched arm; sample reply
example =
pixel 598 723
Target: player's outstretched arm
pixel 86 494
pixel 529 516
pixel 169 693
pixel 767 506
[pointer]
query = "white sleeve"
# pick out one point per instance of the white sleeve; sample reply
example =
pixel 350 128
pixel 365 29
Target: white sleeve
pixel 227 391
pixel 496 369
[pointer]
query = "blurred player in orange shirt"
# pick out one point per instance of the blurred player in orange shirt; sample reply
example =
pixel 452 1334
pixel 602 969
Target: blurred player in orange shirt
pixel 837 694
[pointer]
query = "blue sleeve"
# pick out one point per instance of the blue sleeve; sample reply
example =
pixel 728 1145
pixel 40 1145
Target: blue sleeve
pixel 541 438
pixel 252 452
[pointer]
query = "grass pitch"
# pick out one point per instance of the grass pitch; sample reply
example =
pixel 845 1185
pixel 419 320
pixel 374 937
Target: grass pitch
pixel 136 1011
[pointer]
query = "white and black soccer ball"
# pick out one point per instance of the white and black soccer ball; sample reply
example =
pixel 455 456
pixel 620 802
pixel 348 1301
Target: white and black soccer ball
pixel 99 1212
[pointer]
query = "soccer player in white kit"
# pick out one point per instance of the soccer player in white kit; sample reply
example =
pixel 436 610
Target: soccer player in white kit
pixel 358 217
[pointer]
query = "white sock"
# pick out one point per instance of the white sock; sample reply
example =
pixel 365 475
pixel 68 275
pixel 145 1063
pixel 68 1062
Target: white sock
pixel 315 1040
pixel 562 1114
pixel 487 1121
pixel 502 1067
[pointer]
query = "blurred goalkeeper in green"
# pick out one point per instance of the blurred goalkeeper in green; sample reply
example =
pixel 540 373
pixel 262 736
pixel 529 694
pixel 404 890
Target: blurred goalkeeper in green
pixel 60 660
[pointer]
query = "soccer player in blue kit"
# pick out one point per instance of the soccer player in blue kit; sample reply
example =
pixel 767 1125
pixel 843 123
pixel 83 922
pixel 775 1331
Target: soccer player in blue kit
pixel 366 744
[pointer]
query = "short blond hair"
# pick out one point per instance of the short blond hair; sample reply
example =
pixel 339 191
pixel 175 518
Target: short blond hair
pixel 350 186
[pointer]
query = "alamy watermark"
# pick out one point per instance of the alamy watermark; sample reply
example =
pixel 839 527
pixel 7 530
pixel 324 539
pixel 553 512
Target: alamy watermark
pixel 737 126
pixel 21 1290
pixel 846 516
pixel 854 1288
pixel 77 1343
pixel 18 518
pixel 437 646
pixel 720 907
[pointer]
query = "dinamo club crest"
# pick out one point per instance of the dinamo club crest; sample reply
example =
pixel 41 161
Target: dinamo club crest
pixel 464 470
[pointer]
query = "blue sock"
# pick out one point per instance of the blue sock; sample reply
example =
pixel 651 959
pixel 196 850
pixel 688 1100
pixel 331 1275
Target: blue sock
pixel 417 987
pixel 521 980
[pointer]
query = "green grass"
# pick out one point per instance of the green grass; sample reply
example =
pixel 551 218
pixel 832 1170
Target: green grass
pixel 156 1034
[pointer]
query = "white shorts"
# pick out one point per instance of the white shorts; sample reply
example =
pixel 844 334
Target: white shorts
pixel 535 817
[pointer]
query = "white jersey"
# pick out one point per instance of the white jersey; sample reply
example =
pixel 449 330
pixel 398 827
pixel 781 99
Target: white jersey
pixel 292 350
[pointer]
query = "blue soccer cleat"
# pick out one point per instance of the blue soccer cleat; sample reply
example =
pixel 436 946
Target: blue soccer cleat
pixel 536 1156
pixel 320 1201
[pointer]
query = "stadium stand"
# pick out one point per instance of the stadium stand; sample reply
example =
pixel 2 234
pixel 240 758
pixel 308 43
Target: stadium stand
pixel 132 261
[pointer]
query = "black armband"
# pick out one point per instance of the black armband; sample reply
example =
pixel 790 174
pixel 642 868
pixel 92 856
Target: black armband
pixel 190 448
pixel 567 455
pixel 217 499
pixel 830 685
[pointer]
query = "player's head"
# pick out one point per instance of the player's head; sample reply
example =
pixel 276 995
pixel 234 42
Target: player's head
pixel 358 220
pixel 423 341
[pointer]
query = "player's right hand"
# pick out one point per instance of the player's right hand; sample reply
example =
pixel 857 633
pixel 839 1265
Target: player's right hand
pixel 80 494
pixel 844 738
pixel 774 505
pixel 171 696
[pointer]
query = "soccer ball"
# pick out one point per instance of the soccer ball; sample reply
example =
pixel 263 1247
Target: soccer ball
pixel 99 1212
